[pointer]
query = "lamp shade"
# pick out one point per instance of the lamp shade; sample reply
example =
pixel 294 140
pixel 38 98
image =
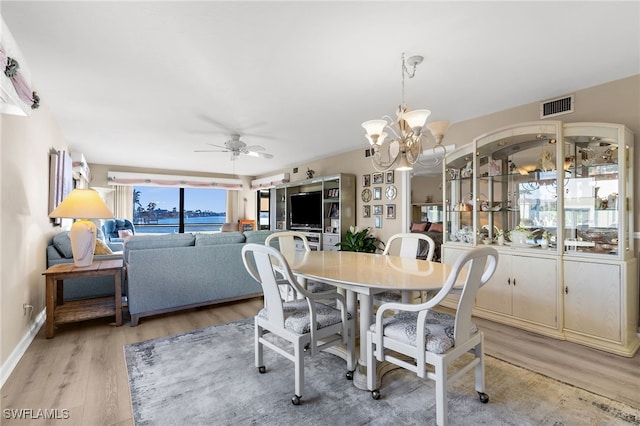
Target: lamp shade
pixel 374 127
pixel 82 204
pixel 416 118
pixel 438 128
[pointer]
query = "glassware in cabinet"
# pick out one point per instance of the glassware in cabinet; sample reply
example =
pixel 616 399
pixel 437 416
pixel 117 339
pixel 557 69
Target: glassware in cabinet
pixel 598 218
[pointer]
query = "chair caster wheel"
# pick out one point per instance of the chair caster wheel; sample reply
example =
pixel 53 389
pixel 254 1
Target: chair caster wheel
pixel 484 398
pixel 375 394
pixel 349 375
pixel 295 400
pixel 261 369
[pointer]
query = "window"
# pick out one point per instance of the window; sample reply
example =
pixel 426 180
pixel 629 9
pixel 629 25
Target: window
pixel 160 210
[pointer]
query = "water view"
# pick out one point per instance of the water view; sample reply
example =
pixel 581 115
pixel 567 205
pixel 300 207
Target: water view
pixel 170 225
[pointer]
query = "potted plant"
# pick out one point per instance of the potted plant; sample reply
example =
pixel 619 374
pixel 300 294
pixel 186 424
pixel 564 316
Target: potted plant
pixel 360 240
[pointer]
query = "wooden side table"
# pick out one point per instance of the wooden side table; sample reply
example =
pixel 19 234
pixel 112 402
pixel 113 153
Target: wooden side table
pixel 60 312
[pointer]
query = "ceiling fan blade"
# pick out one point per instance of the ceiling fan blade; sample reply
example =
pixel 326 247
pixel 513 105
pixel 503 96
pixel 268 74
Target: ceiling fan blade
pixel 254 148
pixel 218 146
pixel 258 154
pixel 211 150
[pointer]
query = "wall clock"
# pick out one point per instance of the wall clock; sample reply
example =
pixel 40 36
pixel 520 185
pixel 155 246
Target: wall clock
pixel 366 195
pixel 390 192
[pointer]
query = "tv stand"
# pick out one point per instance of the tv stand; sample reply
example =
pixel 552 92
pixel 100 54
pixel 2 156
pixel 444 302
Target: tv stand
pixel 314 239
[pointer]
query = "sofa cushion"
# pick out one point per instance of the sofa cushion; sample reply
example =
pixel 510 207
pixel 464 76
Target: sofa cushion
pixel 62 243
pixel 257 237
pixel 222 238
pixel 142 242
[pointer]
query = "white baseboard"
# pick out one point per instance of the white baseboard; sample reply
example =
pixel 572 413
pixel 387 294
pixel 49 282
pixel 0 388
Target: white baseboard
pixel 20 349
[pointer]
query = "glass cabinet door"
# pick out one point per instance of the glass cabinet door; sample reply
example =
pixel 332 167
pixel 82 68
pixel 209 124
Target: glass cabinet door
pixel 598 186
pixel 458 197
pixel 518 185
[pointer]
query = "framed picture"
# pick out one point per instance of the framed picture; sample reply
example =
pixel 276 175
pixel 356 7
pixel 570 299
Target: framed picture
pixel 391 211
pixel 377 177
pixel 378 222
pixel 377 209
pixel 328 229
pixel 366 180
pixel 388 177
pixel 366 210
pixel 377 193
pixel 334 211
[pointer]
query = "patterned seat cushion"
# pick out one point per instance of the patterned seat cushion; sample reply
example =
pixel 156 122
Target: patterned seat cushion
pixel 296 314
pixel 438 331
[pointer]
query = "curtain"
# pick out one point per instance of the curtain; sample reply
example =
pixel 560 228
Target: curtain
pixel 123 202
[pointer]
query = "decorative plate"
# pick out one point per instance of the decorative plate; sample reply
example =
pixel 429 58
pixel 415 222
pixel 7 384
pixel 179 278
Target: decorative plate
pixel 366 195
pixel 390 192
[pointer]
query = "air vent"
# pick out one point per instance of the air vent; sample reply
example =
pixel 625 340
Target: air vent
pixel 555 107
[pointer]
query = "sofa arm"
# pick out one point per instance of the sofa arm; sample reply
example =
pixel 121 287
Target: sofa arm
pixel 115 246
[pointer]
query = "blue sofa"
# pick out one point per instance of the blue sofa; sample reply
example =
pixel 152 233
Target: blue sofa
pixel 171 272
pixel 59 251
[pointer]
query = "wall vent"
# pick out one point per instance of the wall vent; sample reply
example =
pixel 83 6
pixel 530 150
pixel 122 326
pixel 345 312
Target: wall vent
pixel 558 106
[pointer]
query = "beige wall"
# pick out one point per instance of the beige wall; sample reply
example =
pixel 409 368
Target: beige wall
pixel 24 224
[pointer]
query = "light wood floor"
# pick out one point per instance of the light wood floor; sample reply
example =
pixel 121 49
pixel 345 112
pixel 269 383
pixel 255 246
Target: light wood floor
pixel 82 368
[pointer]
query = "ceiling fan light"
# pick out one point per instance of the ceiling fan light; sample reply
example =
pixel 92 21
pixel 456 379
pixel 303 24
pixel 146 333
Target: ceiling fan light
pixel 416 118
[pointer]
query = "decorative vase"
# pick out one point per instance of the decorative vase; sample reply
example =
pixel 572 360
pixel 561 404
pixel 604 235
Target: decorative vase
pixel 501 240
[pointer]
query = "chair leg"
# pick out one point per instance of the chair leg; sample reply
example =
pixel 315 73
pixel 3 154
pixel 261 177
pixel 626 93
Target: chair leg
pixel 298 349
pixel 259 348
pixel 372 367
pixel 441 393
pixel 479 372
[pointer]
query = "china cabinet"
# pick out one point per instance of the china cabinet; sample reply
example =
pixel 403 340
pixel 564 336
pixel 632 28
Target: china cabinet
pixel 560 197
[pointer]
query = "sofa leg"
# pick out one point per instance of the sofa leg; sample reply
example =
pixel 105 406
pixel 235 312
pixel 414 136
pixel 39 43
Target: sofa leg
pixel 134 320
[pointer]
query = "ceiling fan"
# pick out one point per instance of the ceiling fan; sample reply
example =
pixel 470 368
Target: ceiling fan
pixel 236 147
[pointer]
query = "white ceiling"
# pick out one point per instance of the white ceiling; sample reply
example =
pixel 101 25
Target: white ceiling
pixel 146 83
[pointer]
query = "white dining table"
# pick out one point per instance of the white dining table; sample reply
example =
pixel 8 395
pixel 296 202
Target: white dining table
pixel 363 275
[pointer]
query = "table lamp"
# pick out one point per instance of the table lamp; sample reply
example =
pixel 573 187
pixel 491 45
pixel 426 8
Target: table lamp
pixel 82 204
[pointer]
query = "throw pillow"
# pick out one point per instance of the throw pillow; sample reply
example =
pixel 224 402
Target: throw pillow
pixel 124 233
pixel 419 226
pixel 102 248
pixel 435 227
pixel 62 243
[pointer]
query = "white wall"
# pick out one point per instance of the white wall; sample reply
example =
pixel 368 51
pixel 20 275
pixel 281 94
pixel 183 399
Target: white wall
pixel 25 228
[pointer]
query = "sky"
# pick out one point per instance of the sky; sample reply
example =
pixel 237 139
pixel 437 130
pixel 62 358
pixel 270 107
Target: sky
pixel 195 198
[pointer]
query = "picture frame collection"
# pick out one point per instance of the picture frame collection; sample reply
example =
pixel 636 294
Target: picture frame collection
pixel 375 180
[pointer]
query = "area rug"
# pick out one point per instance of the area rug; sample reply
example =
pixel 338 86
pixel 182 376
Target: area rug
pixel 207 377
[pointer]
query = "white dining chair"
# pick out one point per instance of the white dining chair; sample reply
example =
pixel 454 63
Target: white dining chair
pixel 405 244
pixel 288 242
pixel 432 338
pixel 307 323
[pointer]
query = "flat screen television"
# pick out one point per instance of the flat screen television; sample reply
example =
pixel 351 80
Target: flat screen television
pixel 306 210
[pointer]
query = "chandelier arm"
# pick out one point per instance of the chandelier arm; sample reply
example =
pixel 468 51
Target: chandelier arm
pixel 383 167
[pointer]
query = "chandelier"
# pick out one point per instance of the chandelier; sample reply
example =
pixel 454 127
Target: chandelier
pixel 404 148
